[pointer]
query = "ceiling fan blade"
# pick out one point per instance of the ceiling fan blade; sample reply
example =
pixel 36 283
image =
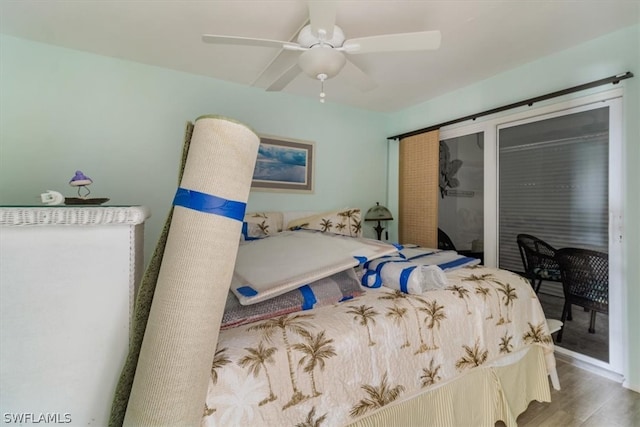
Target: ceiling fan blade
pixel 276 68
pixel 422 40
pixel 285 78
pixel 284 60
pixel 357 77
pixel 322 16
pixel 248 41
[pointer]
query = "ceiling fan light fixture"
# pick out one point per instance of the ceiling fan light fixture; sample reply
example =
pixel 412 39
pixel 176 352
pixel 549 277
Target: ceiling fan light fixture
pixel 321 60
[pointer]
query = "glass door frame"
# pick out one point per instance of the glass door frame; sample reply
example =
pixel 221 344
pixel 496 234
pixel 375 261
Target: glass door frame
pixel 618 330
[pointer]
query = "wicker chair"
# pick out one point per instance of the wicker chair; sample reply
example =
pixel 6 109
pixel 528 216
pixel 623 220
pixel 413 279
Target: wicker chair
pixel 585 279
pixel 445 242
pixel 538 259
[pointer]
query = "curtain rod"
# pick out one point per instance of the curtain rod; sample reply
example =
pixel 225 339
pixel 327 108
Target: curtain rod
pixel 613 79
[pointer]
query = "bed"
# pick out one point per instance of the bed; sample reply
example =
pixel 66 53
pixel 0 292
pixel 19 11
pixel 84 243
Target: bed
pixel 470 347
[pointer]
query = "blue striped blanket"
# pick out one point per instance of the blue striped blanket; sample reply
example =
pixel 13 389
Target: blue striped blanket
pixel 414 270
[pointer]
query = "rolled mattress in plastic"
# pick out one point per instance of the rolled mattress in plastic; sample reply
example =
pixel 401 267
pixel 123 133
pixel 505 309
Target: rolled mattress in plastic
pixel 180 340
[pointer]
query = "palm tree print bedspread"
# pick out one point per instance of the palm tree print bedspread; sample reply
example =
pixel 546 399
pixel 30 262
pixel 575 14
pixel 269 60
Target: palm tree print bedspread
pixel 331 365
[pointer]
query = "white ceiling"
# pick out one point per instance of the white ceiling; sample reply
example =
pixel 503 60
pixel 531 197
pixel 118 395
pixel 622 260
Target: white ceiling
pixel 479 38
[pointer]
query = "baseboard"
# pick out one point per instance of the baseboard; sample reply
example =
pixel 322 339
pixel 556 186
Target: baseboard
pixel 633 387
pixel 590 364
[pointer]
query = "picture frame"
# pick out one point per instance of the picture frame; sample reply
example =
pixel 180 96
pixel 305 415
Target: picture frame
pixel 284 165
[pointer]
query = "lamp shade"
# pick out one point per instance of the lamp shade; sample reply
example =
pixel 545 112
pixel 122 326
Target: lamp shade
pixel 378 213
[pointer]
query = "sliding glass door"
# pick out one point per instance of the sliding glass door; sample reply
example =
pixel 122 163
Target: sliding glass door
pixel 554 172
pixel 559 180
pixel 553 183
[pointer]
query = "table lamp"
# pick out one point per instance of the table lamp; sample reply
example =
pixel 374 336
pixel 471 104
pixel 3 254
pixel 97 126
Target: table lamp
pixel 378 213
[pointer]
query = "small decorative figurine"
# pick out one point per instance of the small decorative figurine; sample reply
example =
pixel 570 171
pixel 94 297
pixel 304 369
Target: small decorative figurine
pixel 81 181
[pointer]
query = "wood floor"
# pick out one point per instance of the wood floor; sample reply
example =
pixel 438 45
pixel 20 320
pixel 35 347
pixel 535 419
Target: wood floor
pixel 586 400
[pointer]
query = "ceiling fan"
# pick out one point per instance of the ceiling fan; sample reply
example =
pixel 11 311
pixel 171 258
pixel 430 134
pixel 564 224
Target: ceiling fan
pixel 321 49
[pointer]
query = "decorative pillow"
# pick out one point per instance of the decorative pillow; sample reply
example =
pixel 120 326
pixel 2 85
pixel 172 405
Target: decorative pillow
pixel 344 221
pixel 339 287
pixel 257 225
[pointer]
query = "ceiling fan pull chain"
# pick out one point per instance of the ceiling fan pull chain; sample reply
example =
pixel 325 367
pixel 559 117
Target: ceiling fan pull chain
pixel 322 77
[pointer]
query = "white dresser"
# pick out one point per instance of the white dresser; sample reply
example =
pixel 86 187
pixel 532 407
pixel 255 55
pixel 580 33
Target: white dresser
pixel 67 281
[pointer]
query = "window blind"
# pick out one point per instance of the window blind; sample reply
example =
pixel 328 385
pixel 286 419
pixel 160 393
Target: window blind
pixel 556 190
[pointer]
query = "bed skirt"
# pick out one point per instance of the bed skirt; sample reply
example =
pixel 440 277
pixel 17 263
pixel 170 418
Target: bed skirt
pixel 480 398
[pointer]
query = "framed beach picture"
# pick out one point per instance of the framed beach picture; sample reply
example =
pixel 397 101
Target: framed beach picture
pixel 284 165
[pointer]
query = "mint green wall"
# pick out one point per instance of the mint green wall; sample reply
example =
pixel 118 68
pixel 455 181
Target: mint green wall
pixel 608 55
pixel 122 123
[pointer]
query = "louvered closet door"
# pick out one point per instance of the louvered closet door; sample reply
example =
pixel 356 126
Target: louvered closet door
pixel 418 189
